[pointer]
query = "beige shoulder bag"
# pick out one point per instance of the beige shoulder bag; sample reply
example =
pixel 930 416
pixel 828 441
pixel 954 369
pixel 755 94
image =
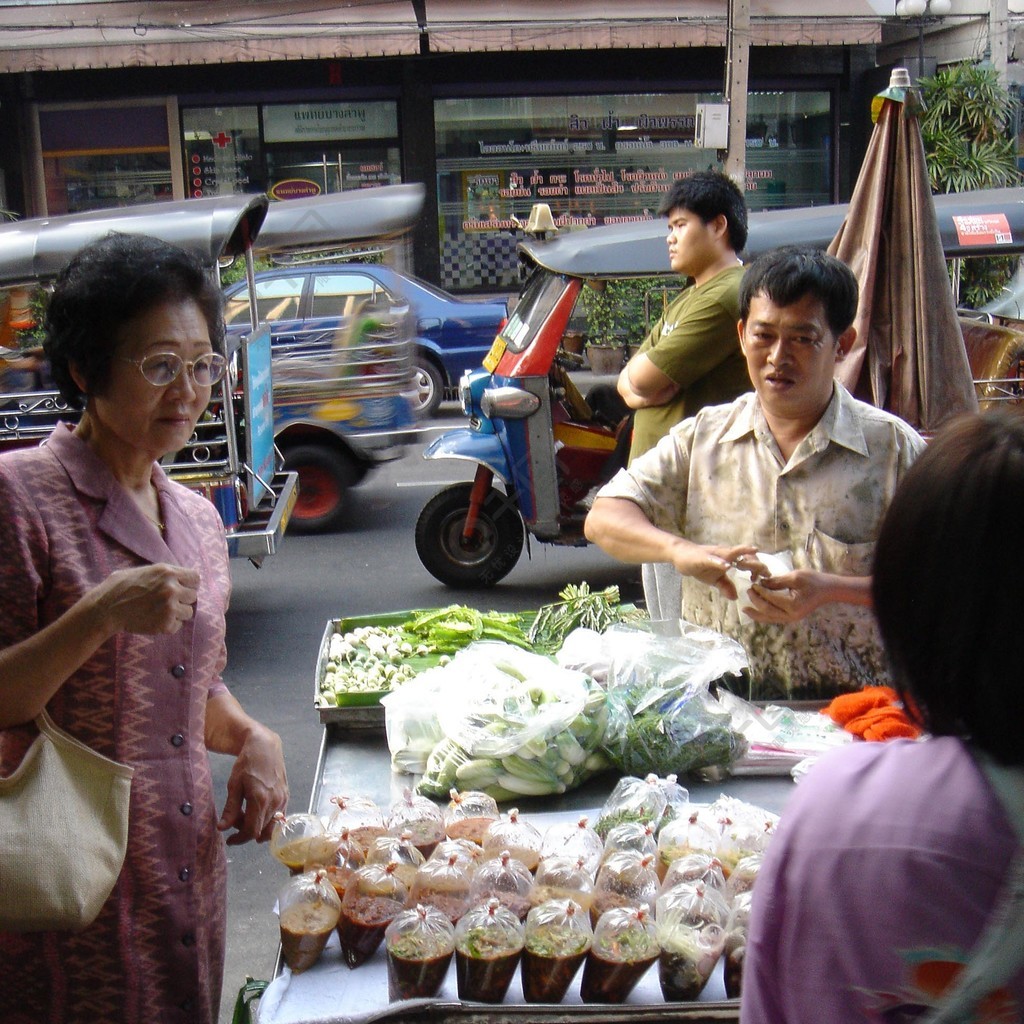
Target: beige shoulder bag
pixel 63 833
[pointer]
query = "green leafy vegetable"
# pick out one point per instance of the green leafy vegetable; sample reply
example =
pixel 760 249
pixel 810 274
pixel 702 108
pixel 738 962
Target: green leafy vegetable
pixel 580 608
pixel 680 737
pixel 447 630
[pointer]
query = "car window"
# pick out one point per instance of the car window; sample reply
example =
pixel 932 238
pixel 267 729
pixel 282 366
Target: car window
pixel 276 299
pixel 346 294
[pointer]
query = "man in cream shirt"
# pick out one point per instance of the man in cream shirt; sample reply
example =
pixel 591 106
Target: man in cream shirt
pixel 797 467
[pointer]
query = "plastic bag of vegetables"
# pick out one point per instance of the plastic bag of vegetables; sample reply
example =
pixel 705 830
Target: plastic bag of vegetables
pixel 664 717
pixel 520 726
pixel 410 717
pixel 681 733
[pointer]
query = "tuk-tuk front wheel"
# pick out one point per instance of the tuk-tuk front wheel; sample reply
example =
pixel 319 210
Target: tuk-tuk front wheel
pixel 483 558
pixel 325 476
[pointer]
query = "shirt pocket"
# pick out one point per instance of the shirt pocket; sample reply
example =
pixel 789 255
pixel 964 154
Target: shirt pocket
pixel 826 554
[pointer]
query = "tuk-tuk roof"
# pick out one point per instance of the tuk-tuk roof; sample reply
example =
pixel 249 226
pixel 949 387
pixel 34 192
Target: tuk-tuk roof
pixel 338 218
pixel 638 248
pixel 212 227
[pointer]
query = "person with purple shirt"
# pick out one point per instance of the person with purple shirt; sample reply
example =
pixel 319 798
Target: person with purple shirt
pixel 890 856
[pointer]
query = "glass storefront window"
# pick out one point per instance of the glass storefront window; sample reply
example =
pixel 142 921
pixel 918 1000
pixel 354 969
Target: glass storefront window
pixel 602 159
pixel 97 156
pixel 332 169
pixel 330 147
pixel 222 150
pixel 291 149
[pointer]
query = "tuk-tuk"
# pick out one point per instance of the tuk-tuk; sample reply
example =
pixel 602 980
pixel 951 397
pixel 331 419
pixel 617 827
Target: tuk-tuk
pixel 231 457
pixel 306 419
pixel 530 428
pixel 343 399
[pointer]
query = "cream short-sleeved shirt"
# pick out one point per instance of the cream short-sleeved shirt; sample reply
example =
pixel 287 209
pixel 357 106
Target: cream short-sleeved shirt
pixel 719 478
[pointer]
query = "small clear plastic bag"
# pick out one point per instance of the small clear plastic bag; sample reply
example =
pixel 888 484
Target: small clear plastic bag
pixel 469 814
pixel 558 935
pixel 340 857
pixel 291 836
pixel 505 879
pixel 444 884
pixel 631 835
pixel 696 867
pixel 624 948
pixel 744 875
pixel 398 850
pixel 633 799
pixel 694 834
pixel 489 941
pixel 419 944
pixel 560 878
pixel 374 897
pixel 419 815
pixel 691 936
pixel 360 815
pixel 515 834
pixel 736 929
pixel 626 879
pixel 308 909
pixel 574 840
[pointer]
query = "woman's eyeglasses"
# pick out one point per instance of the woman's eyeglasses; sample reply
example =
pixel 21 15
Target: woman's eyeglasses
pixel 163 368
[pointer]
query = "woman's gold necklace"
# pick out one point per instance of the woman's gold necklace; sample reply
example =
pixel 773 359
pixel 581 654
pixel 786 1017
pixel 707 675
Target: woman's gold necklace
pixel 157 520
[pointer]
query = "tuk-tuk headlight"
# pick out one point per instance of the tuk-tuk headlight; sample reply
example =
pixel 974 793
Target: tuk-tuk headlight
pixel 508 403
pixel 471 387
pixel 466 396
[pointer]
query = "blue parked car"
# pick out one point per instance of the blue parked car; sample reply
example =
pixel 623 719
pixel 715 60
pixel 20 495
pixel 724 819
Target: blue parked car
pixel 451 335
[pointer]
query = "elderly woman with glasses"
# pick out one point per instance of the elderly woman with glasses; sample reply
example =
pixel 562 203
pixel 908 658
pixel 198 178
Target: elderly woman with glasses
pixel 114 584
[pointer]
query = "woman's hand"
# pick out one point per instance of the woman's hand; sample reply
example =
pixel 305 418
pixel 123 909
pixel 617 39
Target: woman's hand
pixel 151 599
pixel 257 788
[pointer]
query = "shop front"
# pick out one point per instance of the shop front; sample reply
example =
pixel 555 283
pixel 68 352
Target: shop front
pixel 598 144
pixel 604 159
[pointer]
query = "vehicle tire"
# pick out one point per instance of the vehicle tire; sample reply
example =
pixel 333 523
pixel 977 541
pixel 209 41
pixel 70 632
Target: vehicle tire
pixel 492 554
pixel 325 476
pixel 428 383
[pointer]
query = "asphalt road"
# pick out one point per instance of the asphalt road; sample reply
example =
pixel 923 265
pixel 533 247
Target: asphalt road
pixel 277 617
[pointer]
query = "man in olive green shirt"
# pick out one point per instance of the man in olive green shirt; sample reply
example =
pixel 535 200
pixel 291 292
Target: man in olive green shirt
pixel 691 358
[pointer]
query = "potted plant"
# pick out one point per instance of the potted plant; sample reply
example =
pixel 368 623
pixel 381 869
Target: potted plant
pixel 616 319
pixel 969 144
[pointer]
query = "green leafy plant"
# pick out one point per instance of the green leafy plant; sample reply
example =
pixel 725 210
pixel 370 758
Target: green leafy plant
pixel 617 313
pixel 967 130
pixel 235 270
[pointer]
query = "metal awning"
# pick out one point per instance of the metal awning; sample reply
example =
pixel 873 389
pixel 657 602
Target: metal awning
pixel 337 218
pixel 983 223
pixel 218 226
pixel 45 35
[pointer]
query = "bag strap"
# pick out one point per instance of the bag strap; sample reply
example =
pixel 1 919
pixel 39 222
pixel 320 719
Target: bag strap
pixel 250 991
pixel 999 953
pixel 64 740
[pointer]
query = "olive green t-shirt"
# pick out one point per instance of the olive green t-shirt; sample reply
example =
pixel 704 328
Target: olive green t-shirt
pixel 694 343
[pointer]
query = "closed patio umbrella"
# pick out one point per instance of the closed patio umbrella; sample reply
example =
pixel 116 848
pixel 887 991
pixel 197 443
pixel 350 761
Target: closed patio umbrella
pixel 909 356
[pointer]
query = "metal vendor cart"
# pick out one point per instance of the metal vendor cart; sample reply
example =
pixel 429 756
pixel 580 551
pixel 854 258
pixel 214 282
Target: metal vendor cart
pixel 354 759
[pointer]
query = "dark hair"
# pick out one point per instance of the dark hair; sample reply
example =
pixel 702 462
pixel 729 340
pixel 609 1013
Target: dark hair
pixel 787 274
pixel 710 194
pixel 947 583
pixel 108 283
